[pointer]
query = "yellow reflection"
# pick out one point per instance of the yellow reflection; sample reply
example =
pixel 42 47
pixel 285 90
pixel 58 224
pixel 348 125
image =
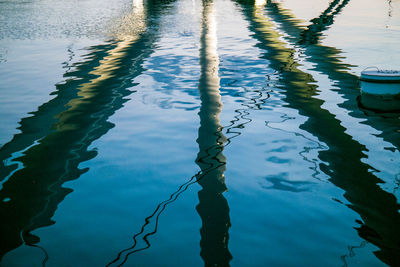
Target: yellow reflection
pixel 210 62
pixel 211 105
pixel 138 6
pixel 260 3
pixel 131 27
pixel 283 55
pixel 379 212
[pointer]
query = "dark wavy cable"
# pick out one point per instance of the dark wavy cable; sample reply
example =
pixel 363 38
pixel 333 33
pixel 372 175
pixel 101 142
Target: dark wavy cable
pixel 236 123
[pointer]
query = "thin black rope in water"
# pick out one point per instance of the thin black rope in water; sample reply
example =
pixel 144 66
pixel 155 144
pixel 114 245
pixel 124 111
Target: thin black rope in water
pixel 352 253
pixel 253 104
pixel 46 255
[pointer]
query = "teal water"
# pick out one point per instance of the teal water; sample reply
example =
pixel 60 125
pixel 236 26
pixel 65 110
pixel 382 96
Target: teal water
pixel 196 133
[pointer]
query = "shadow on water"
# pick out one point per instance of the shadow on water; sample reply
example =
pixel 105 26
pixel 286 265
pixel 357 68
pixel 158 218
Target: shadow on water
pixel 314 31
pixel 55 139
pixel 377 208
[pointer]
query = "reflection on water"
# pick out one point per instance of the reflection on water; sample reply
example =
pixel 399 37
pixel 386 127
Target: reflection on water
pixel 62 130
pixel 329 61
pixel 281 182
pixel 321 23
pixel 377 208
pixel 213 208
pixel 55 139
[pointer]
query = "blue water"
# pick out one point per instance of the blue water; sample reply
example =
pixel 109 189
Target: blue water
pixel 196 133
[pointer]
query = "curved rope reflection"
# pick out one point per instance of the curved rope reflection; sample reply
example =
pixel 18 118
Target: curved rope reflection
pixel 233 130
pixel 213 207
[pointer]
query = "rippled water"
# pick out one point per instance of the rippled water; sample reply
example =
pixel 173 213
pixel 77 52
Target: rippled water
pixel 190 133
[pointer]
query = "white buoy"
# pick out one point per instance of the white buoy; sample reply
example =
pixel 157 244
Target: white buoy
pixel 380 89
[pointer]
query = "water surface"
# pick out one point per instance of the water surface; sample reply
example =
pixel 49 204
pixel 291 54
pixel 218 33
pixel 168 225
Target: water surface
pixel 190 133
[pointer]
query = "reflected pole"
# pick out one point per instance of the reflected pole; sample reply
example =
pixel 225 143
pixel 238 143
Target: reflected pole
pixel 30 195
pixel 378 209
pixel 213 207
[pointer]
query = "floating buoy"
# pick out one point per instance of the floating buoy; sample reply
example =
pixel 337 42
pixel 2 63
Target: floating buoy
pixel 380 89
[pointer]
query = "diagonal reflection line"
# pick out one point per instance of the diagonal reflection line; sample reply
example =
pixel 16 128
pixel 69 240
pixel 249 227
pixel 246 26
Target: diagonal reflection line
pixel 93 91
pixel 343 161
pixel 323 22
pixel 81 85
pixel 46 255
pixel 329 61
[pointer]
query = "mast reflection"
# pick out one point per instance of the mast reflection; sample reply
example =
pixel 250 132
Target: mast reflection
pixel 314 31
pixel 56 138
pixel 377 208
pixel 328 61
pixel 213 207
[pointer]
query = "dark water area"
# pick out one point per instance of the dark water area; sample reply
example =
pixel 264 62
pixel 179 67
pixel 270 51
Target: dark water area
pixel 196 133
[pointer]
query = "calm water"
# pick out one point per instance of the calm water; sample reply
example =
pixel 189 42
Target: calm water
pixel 192 133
